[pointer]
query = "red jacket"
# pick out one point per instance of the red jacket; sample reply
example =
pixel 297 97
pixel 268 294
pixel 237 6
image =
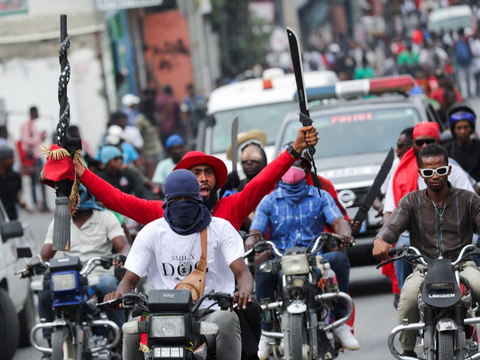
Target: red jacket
pixel 234 208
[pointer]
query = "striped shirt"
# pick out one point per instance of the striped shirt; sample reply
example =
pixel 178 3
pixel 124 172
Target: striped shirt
pixel 295 225
pixel 443 231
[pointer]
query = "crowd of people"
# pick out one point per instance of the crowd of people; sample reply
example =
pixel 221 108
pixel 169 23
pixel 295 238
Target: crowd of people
pixel 143 171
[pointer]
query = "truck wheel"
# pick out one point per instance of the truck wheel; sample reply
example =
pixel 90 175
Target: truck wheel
pixel 9 327
pixel 62 344
pixel 27 320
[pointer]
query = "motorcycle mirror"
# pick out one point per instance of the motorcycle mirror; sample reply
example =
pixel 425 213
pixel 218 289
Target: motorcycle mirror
pixel 24 252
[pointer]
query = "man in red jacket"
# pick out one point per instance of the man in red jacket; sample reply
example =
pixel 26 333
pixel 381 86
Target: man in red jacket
pixel 211 173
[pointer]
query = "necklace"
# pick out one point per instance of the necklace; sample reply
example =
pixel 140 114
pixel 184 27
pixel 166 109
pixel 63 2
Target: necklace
pixel 440 214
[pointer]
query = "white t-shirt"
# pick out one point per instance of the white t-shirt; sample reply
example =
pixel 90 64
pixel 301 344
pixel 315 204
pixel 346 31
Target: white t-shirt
pixel 167 257
pixel 457 178
pixel 93 239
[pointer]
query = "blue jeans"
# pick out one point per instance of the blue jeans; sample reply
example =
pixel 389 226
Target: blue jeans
pixel 107 284
pixel 403 268
pixel 266 283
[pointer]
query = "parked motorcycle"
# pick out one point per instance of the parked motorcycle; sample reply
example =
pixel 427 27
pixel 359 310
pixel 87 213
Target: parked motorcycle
pixel 304 304
pixel 80 329
pixel 446 306
pixel 170 322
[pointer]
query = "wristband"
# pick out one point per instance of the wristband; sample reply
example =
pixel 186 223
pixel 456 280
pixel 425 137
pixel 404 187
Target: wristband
pixel 292 152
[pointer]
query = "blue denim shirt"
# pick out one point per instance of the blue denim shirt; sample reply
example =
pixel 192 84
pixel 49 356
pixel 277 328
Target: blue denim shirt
pixel 295 225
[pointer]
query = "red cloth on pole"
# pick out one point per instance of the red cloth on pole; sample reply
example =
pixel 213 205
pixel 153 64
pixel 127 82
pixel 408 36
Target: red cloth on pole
pixel 56 170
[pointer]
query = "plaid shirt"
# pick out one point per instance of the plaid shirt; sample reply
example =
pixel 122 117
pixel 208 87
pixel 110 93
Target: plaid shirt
pixel 297 225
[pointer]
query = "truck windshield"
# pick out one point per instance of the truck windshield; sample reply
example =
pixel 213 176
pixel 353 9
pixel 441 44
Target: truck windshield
pixel 355 132
pixel 264 117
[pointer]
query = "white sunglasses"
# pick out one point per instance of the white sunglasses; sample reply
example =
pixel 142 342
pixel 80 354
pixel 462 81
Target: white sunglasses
pixel 440 171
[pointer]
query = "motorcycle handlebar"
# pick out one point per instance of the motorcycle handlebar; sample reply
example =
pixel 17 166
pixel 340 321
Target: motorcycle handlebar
pixel 104 261
pixel 131 299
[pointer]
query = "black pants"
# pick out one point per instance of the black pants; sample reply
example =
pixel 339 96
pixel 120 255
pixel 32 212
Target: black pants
pixel 251 327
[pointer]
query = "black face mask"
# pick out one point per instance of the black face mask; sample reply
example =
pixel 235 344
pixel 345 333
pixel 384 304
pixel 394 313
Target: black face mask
pixel 211 202
pixel 187 217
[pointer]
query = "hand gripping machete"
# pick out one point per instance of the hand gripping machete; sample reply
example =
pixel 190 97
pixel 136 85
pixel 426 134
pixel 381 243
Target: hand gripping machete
pixel 302 95
pixel 235 144
pixel 375 188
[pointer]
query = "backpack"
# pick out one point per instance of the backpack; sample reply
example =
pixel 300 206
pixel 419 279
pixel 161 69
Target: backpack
pixel 463 53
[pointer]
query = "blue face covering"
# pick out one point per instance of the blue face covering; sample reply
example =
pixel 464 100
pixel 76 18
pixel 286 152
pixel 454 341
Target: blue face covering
pixel 294 194
pixel 87 200
pixel 187 217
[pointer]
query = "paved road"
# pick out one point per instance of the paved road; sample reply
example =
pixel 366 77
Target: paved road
pixel 375 315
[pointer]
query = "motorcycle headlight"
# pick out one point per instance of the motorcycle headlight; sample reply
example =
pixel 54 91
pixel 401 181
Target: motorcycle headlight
pixel 167 326
pixel 62 282
pixel 295 264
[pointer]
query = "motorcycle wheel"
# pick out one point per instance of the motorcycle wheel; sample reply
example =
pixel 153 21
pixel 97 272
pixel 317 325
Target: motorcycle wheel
pixel 445 345
pixel 62 344
pixel 298 338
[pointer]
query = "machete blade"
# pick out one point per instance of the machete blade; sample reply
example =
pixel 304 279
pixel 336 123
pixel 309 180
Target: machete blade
pixel 298 70
pixel 375 188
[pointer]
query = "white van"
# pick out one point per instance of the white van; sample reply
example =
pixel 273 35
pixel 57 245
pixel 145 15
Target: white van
pixel 259 104
pixel 452 18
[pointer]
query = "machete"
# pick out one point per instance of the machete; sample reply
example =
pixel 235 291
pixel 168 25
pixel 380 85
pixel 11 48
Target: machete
pixel 235 144
pixel 375 188
pixel 302 95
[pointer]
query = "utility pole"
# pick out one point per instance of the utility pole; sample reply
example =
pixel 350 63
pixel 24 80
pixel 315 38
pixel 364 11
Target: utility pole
pixel 290 15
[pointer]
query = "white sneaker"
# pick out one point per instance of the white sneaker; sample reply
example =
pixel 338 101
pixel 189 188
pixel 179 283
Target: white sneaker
pixel 345 337
pixel 265 347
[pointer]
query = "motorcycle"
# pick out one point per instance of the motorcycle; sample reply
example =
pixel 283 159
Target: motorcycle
pixel 446 306
pixel 170 323
pixel 304 304
pixel 80 329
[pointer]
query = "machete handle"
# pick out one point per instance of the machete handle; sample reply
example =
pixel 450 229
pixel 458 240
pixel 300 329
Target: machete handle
pixel 307 121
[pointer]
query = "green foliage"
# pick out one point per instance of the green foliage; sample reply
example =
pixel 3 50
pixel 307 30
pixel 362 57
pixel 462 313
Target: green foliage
pixel 248 37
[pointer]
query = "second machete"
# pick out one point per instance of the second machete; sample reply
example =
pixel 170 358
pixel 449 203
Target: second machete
pixel 377 184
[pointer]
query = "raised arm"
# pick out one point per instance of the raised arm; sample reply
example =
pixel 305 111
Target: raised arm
pixel 247 200
pixel 140 210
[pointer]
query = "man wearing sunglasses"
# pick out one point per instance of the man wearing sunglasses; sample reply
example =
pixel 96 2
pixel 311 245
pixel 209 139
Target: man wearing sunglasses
pixel 407 179
pixel 441 220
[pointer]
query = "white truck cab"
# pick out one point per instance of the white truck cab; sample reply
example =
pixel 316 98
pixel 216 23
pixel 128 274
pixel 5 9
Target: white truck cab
pixel 17 309
pixel 452 18
pixel 259 104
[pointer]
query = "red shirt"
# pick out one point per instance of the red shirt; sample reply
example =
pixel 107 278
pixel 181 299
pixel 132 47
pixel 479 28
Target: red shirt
pixel 438 95
pixel 234 208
